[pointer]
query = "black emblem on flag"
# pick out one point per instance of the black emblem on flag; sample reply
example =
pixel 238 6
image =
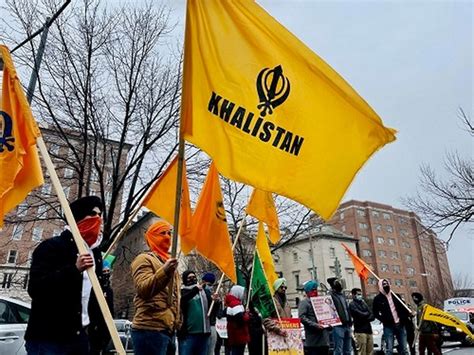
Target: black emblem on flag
pixel 220 213
pixel 6 127
pixel 273 89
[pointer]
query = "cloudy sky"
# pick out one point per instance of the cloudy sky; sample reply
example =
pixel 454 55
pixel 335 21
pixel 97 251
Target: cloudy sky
pixel 412 62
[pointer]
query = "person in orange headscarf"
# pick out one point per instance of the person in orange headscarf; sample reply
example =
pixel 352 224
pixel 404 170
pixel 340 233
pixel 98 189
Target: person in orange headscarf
pixel 156 321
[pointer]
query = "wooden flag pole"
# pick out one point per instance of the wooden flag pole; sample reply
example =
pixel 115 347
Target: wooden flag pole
pixel 251 280
pixel 80 246
pixel 219 285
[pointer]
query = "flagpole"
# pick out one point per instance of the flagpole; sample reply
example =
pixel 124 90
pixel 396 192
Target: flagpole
pixel 219 285
pixel 251 280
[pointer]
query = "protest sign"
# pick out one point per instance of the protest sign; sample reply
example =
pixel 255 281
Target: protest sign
pixel 292 344
pixel 325 311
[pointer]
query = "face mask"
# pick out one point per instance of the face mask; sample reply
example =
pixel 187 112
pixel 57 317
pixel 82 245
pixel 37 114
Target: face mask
pixel 90 229
pixel 191 281
pixel 358 297
pixel 386 289
pixel 313 293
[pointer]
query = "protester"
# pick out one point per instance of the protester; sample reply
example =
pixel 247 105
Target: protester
pixel 429 331
pixel 156 317
pixel 282 309
pixel 362 316
pixel 194 335
pixel 63 307
pixel 208 280
pixel 316 336
pixel 393 315
pixel 409 328
pixel 237 320
pixel 257 343
pixel 342 334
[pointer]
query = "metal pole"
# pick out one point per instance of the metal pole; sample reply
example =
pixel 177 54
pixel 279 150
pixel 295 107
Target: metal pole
pixel 312 257
pixel 38 59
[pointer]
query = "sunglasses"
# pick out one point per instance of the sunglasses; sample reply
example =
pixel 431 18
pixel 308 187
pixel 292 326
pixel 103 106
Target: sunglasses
pixel 283 287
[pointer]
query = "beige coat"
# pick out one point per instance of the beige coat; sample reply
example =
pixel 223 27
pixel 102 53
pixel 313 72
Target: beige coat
pixel 152 311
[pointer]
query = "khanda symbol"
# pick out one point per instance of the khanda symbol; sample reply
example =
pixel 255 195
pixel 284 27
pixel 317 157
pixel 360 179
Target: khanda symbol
pixel 273 89
pixel 220 211
pixel 6 127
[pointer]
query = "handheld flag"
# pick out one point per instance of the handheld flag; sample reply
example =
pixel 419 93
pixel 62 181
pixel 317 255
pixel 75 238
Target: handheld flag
pixel 262 207
pixel 433 314
pixel 19 162
pixel 263 106
pixel 265 255
pixel 210 226
pixel 161 200
pixel 260 290
pixel 361 267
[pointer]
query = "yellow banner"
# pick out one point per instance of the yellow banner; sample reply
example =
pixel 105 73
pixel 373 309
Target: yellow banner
pixel 262 207
pixel 263 250
pixel 433 314
pixel 269 111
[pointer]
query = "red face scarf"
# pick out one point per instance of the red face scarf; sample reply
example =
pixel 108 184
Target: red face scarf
pixel 312 293
pixel 158 238
pixel 90 229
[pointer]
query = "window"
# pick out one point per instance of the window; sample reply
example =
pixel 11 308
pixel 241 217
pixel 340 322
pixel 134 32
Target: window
pixel 375 214
pixel 17 232
pixel 297 280
pixel 54 149
pixel 68 173
pixel 406 245
pixel 403 220
pixel 372 281
pixel 382 253
pixel 7 280
pixel 398 282
pixel 391 241
pixel 295 257
pixel 365 239
pixel 395 255
pixel 343 228
pixel 378 227
pixel 25 282
pixel 384 267
pixel 389 228
pixel 332 253
pixel 403 232
pixel 341 216
pixel 410 271
pixel 37 234
pixel 12 254
pixel 66 191
pixel 412 283
pixel 386 216
pixel 366 252
pixel 43 211
pixel 30 256
pixel 363 225
pixel 396 269
pixel 46 189
pixel 380 240
pixel 22 210
pixel 408 258
pixel 361 213
pixel 95 175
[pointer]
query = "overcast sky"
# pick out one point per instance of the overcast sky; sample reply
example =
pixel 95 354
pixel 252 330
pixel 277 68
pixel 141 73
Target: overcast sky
pixel 412 62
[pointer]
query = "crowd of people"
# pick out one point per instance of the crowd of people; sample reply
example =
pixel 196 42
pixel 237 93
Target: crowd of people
pixel 183 309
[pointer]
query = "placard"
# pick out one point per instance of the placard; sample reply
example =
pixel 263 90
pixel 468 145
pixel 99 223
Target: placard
pixel 325 311
pixel 292 344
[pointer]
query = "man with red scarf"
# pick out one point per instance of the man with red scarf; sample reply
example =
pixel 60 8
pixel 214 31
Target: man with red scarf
pixel 65 314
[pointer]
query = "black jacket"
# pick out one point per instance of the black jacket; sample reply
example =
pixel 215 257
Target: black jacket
pixel 362 316
pixel 55 288
pixel 382 312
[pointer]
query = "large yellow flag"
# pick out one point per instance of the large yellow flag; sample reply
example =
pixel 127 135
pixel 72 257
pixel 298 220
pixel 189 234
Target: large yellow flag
pixel 269 111
pixel 20 167
pixel 161 200
pixel 433 314
pixel 210 231
pixel 262 207
pixel 265 255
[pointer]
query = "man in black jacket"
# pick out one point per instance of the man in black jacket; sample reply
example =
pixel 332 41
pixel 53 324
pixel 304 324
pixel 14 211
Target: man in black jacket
pixel 64 309
pixel 362 316
pixel 342 334
pixel 393 315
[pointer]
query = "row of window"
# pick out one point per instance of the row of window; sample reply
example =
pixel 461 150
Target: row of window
pixel 12 256
pixel 332 254
pixel 36 235
pixel 376 214
pixel 397 282
pixel 388 228
pixel 390 241
pixel 8 281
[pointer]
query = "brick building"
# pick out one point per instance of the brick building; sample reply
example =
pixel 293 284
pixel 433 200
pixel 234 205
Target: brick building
pixel 398 247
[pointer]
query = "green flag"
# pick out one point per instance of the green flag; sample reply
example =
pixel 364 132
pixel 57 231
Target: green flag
pixel 260 290
pixel 241 280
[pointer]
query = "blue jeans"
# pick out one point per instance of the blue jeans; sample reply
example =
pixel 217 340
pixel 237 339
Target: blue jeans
pixel 78 347
pixel 342 340
pixel 389 334
pixel 193 344
pixel 148 342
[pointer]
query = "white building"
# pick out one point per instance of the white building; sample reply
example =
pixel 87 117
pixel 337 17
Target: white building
pixel 314 256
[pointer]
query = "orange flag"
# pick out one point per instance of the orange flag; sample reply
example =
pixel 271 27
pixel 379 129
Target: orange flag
pixel 361 267
pixel 262 207
pixel 161 200
pixel 210 226
pixel 20 167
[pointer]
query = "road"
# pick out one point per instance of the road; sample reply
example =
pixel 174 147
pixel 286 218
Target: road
pixel 457 349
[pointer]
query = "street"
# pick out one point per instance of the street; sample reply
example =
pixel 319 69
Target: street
pixel 457 349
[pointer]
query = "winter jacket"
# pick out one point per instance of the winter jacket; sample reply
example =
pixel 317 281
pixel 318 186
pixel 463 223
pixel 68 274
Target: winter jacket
pixel 314 337
pixel 195 306
pixel 152 311
pixel 342 307
pixel 362 316
pixel 55 288
pixel 425 327
pixel 237 321
pixel 382 311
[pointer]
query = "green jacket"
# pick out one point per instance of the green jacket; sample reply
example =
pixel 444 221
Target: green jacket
pixel 425 327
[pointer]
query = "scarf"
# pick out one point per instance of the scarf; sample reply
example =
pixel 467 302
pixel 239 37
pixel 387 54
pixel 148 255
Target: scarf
pixel 158 238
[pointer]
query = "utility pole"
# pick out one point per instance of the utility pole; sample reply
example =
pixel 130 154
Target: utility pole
pixel 315 277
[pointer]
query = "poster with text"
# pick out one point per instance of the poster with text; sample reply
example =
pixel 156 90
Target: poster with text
pixel 221 327
pixel 325 311
pixel 292 344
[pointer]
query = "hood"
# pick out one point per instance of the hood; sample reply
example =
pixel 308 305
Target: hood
pixel 382 291
pixel 238 292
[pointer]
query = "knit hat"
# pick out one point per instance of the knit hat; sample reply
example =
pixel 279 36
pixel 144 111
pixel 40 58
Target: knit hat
pixel 331 281
pixel 209 277
pixel 417 295
pixel 278 282
pixel 310 285
pixel 83 207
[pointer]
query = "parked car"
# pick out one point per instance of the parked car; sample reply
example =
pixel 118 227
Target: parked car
pixel 124 327
pixel 14 315
pixel 454 334
pixel 377 333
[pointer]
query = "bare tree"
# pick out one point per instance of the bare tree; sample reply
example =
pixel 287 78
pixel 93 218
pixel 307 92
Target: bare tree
pixel 447 203
pixel 108 92
pixel 463 282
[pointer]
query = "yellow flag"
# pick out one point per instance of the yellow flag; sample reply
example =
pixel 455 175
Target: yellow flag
pixel 265 255
pixel 433 314
pixel 161 200
pixel 262 207
pixel 210 226
pixel 20 167
pixel 269 111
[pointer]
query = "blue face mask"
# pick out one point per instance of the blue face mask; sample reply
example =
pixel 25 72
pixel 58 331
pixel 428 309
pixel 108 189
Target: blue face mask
pixel 359 297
